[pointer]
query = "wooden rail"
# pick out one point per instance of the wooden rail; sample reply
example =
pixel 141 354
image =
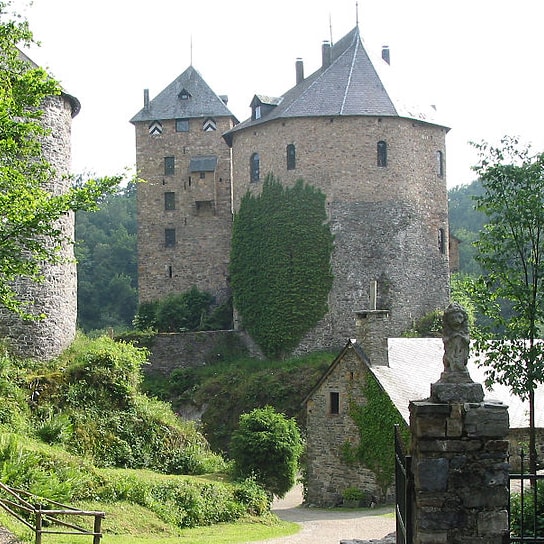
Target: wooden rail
pixel 44 513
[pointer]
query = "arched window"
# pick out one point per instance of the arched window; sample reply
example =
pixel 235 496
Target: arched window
pixel 440 164
pixel 254 167
pixel 291 157
pixel 382 153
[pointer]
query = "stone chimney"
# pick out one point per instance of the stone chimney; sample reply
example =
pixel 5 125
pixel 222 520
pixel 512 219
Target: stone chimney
pixel 326 54
pixel 386 56
pixel 146 99
pixel 299 67
pixel 373 329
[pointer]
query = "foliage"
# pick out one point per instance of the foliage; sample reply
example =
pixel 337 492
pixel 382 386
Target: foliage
pixel 267 446
pixel 30 232
pixel 511 254
pixel 533 517
pixel 280 264
pixel 375 419
pixel 224 389
pixel 428 326
pixel 107 269
pixel 192 310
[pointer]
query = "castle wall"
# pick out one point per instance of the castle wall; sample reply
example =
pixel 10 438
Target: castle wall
pixel 387 221
pixel 201 215
pixel 56 296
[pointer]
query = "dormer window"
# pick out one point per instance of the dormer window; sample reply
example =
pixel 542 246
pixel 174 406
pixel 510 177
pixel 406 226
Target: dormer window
pixel 184 94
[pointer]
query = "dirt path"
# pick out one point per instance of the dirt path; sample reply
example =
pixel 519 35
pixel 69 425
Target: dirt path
pixel 323 526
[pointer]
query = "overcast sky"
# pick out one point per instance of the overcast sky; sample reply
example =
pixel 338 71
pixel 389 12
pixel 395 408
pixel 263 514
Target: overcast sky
pixel 478 61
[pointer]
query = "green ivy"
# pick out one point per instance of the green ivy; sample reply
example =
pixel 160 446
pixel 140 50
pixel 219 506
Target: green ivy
pixel 376 420
pixel 281 264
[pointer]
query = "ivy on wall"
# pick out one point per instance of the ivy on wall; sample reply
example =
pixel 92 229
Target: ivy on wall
pixel 376 420
pixel 280 267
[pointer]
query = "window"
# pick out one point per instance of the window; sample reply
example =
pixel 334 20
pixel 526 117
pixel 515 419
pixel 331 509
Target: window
pixel 258 112
pixel 169 237
pixel 170 201
pixel 382 153
pixel 291 157
pixel 440 164
pixel 169 166
pixel 184 94
pixel 202 175
pixel 334 402
pixel 182 125
pixel 204 207
pixel 441 241
pixel 254 167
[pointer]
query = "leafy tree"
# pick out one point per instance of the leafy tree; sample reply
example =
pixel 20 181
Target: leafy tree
pixel 511 254
pixel 107 268
pixel 280 264
pixel 30 234
pixel 267 446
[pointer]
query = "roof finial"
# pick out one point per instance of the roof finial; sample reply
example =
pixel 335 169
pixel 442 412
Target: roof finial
pixel 357 14
pixel 330 28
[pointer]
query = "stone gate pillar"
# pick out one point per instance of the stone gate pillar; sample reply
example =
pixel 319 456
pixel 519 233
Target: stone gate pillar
pixel 459 453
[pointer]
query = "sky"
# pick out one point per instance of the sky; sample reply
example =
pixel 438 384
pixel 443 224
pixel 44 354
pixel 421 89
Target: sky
pixel 478 61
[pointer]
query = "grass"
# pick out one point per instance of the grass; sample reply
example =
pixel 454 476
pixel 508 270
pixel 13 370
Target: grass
pixel 127 523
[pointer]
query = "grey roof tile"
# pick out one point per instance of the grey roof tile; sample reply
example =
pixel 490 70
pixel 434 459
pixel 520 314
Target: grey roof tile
pixel 203 101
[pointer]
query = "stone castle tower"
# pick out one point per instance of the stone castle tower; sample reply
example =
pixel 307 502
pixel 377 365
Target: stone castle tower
pixel 56 296
pixel 380 164
pixel 184 206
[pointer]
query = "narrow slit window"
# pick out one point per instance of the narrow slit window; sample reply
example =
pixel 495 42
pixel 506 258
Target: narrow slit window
pixel 334 402
pixel 440 164
pixel 254 167
pixel 441 241
pixel 382 153
pixel 291 157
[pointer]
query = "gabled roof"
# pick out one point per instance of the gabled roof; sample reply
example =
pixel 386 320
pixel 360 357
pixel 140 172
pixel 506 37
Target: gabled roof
pixel 415 363
pixel 352 84
pixel 201 101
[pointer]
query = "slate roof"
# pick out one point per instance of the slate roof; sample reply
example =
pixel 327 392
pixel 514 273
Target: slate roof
pixel 203 101
pixel 205 163
pixel 415 363
pixel 353 84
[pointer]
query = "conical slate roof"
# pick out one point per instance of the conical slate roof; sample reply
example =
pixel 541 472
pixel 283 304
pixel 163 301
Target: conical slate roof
pixel 352 84
pixel 188 96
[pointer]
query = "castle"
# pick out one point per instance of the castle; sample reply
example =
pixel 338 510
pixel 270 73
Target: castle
pixel 380 163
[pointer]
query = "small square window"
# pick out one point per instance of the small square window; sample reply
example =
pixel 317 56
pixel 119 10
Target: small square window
pixel 169 166
pixel 169 237
pixel 202 175
pixel 170 201
pixel 182 125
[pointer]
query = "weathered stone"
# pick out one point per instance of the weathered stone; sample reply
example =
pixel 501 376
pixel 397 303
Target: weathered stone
pixel 487 421
pixel 494 523
pixel 457 392
pixel 432 474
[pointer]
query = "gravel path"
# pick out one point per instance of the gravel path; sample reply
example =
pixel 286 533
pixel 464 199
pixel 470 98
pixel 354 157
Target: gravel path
pixel 323 526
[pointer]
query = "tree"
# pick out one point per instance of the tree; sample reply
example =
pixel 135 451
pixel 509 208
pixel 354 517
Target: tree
pixel 30 234
pixel 510 250
pixel 280 267
pixel 267 446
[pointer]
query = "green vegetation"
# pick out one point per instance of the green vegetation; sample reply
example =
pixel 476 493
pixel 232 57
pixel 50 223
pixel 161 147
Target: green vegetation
pixel 224 389
pixel 533 514
pixel 105 250
pixel 193 310
pixel 376 420
pixel 280 264
pixel 267 446
pixel 30 231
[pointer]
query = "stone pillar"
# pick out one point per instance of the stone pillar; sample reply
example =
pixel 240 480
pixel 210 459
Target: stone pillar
pixel 459 456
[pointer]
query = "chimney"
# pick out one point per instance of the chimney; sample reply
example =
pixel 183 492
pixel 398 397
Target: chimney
pixel 326 54
pixel 386 54
pixel 146 99
pixel 372 331
pixel 299 67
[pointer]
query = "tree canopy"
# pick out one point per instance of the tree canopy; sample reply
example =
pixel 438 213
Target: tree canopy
pixel 510 251
pixel 281 263
pixel 30 234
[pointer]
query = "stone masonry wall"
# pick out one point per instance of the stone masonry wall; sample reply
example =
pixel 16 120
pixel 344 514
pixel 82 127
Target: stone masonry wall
pixel 327 472
pixel 386 221
pixel 56 296
pixel 202 215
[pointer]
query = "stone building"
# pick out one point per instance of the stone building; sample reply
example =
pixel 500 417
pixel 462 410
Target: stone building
pixel 184 207
pixel 56 296
pixel 381 165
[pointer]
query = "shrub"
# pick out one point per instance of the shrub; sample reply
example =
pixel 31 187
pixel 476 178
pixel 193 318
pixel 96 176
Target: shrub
pixel 267 446
pixel 529 511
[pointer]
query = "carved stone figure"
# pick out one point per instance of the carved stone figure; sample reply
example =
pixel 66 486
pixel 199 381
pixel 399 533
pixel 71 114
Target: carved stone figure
pixel 456 338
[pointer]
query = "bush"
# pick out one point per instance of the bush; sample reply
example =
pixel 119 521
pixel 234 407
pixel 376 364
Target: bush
pixel 528 512
pixel 267 446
